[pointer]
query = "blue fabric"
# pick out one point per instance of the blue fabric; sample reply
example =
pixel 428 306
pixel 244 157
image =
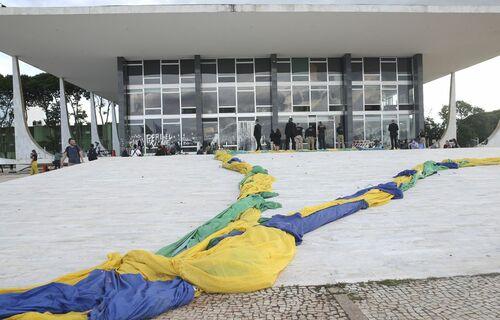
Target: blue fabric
pixel 292 224
pixel 389 187
pixel 449 165
pixel 330 214
pixel 234 159
pixel 297 226
pixel 405 173
pixel 107 294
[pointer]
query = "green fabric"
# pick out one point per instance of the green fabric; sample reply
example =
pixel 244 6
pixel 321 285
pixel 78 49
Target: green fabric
pixel 217 223
pixel 267 194
pixel 430 168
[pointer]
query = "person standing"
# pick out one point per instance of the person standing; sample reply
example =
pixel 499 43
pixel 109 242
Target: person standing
pixel 311 137
pixel 272 138
pixel 340 137
pixel 277 139
pixel 73 152
pixel 321 136
pixel 257 134
pixel 393 132
pixel 423 140
pixel 299 140
pixel 290 130
pixel 92 153
pixel 57 160
pixel 34 162
pixel 136 152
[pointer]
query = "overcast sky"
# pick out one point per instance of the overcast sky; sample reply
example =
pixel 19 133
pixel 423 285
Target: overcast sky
pixel 477 85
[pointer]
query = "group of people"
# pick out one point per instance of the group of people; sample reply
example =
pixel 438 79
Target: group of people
pixel 295 136
pixel 418 143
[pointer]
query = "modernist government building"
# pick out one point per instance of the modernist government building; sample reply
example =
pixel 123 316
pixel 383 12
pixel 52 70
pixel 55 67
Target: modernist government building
pixel 194 73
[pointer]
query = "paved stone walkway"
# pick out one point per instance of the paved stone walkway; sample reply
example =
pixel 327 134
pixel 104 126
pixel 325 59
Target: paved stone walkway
pixel 295 302
pixel 471 297
pixel 457 298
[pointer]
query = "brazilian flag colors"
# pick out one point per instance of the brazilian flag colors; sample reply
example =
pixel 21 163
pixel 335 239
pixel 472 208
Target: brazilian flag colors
pixel 236 251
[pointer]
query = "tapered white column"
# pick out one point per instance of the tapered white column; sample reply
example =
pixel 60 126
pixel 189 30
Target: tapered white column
pixel 114 130
pixel 94 133
pixel 24 141
pixel 65 133
pixel 451 128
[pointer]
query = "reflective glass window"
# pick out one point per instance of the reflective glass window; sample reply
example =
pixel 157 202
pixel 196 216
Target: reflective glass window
pixel 227 135
pixel 262 69
pixel 357 100
pixel 373 130
pixel 389 72
pixel 189 134
pixel 188 98
pixel 300 69
pixel 318 71
pixel 358 130
pixel 246 101
pixel 209 102
pixel 134 75
pixel 336 94
pixel 371 69
pixel 263 95
pixel 227 96
pixel 170 74
pixel 284 100
pixel 357 71
pixel 171 103
pixel 372 94
pixel 244 72
pixel 135 103
pixel 284 72
pixel 152 98
pixel 319 100
pixel 300 95
pixel 405 94
pixel 389 99
pixel 208 73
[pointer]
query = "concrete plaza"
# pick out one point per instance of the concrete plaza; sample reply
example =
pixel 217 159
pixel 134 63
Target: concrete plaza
pixel 66 220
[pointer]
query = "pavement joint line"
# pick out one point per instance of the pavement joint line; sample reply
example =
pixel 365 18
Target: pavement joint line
pixel 350 308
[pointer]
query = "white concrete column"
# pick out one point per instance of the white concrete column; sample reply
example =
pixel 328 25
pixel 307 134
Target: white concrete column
pixel 94 133
pixel 451 129
pixel 24 141
pixel 114 130
pixel 65 133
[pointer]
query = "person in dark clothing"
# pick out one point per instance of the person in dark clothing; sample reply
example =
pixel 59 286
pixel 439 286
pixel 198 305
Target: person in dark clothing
pixel 340 137
pixel 393 132
pixel 311 137
pixel 272 138
pixel 321 136
pixel 299 140
pixel 124 153
pixel 92 153
pixel 140 145
pixel 73 153
pixel 290 130
pixel 277 139
pixel 257 134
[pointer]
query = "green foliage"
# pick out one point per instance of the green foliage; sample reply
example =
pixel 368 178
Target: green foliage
pixel 433 130
pixel 464 110
pixel 476 128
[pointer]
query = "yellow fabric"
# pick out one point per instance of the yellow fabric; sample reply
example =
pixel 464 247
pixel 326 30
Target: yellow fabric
pixel 34 167
pixel 49 316
pixel 114 260
pixel 472 162
pixel 256 184
pixel 223 156
pixel 402 179
pixel 241 167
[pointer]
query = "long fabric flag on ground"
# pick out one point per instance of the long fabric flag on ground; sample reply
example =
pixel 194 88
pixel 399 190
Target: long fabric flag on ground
pixel 236 251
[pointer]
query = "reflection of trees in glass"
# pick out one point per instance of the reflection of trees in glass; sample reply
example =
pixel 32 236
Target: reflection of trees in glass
pixel 372 127
pixel 245 135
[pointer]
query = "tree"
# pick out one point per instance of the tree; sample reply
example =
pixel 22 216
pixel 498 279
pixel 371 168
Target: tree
pixel 464 110
pixel 6 106
pixel 433 130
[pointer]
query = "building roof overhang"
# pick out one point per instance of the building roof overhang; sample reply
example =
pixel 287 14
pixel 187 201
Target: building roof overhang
pixel 81 44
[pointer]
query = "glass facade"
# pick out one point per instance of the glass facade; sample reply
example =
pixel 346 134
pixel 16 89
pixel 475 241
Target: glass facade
pixel 162 99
